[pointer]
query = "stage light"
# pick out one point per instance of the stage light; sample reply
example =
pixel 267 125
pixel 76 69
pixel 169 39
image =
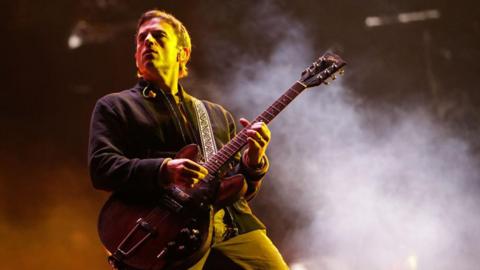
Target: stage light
pixel 74 41
pixel 405 17
pixel 412 262
pixel 79 35
pixel 418 16
pixel 298 266
pixel 86 32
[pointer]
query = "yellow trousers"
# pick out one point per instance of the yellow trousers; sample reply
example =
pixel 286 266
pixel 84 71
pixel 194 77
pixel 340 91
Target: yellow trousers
pixel 251 251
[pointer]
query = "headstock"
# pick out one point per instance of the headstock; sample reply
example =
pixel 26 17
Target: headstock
pixel 325 68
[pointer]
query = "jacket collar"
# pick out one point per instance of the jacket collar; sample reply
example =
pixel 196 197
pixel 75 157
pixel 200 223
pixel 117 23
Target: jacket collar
pixel 149 90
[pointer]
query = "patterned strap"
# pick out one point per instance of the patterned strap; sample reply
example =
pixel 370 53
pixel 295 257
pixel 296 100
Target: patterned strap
pixel 209 149
pixel 205 128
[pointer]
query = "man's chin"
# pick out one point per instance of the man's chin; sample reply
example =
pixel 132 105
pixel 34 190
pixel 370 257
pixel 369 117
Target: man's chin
pixel 149 66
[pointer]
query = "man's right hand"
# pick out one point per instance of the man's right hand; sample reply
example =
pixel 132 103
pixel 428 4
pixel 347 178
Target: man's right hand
pixel 184 172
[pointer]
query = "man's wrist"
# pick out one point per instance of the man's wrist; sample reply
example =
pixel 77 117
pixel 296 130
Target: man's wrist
pixel 163 178
pixel 257 169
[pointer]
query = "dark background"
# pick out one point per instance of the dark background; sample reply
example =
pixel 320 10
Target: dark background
pixel 48 208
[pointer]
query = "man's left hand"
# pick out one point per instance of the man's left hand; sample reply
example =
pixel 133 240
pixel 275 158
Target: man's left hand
pixel 258 138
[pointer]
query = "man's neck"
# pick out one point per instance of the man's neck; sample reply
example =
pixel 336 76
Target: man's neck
pixel 168 84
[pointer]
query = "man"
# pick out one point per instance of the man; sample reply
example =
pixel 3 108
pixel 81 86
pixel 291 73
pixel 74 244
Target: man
pixel 135 134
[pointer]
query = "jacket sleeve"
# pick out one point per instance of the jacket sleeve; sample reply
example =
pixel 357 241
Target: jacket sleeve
pixel 254 177
pixel 110 168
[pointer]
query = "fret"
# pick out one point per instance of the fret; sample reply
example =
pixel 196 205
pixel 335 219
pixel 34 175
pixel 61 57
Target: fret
pixel 271 115
pixel 244 139
pixel 229 151
pixel 264 119
pixel 228 156
pixel 235 143
pixel 214 160
pixel 284 105
pixel 286 98
pixel 242 136
pixel 290 92
pixel 294 92
pixel 297 92
pixel 273 107
pixel 208 167
pixel 271 111
pixel 212 167
pixel 216 163
pixel 223 156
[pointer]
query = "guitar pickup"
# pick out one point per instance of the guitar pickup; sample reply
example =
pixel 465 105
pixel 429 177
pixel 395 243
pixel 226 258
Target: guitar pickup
pixel 171 204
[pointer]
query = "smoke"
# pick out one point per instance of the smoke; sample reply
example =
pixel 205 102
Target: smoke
pixel 363 187
pixel 379 200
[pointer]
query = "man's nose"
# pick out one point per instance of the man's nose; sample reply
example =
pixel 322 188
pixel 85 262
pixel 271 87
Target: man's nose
pixel 149 40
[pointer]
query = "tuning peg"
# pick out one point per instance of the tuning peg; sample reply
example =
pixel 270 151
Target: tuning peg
pixel 326 83
pixel 341 72
pixel 333 77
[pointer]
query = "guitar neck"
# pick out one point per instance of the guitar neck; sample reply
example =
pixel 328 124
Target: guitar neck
pixel 240 140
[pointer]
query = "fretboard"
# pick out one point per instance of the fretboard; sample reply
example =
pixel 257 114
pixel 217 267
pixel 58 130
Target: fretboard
pixel 240 140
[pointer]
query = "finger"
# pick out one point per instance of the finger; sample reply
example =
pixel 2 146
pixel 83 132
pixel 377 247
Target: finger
pixel 257 137
pixel 262 129
pixel 192 165
pixel 187 173
pixel 256 125
pixel 253 145
pixel 244 122
pixel 265 134
pixel 189 181
pixel 195 180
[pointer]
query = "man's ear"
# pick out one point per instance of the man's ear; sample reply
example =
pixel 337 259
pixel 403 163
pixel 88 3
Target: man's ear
pixel 183 55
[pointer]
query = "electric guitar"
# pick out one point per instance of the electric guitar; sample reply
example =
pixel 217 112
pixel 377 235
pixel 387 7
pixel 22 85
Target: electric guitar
pixel 174 232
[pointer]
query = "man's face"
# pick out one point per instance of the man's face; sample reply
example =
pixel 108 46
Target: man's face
pixel 157 52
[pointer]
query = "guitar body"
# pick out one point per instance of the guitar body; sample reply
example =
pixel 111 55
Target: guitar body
pixel 119 218
pixel 171 233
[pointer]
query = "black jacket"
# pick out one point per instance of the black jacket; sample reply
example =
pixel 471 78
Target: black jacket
pixel 131 136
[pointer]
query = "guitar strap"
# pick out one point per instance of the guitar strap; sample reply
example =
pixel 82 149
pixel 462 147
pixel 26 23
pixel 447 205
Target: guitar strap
pixel 209 148
pixel 228 227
